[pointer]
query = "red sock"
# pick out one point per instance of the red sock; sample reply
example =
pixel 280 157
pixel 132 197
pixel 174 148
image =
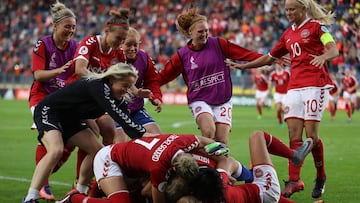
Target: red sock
pixel 277 147
pixel 39 154
pixel 80 157
pixel 332 111
pixel 348 110
pixel 259 109
pixel 294 171
pixel 318 154
pixel 120 197
pixel 279 117
pixel 66 154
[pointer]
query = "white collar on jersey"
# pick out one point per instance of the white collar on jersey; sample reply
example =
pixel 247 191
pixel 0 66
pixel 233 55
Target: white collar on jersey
pixel 305 21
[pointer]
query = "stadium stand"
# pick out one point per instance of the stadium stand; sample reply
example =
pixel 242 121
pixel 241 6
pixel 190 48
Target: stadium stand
pixel 253 24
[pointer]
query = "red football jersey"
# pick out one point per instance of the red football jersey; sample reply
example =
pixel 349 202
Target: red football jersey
pixel 281 80
pixel 90 49
pixel 248 193
pixel 302 42
pixel 151 155
pixel 349 82
pixel 261 82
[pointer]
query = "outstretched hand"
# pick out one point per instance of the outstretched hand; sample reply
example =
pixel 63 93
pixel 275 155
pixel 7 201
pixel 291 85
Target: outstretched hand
pixel 234 65
pixel 144 93
pixel 158 104
pixel 283 61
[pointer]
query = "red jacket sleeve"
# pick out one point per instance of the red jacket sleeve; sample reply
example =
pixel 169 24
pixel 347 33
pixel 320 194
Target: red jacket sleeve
pixel 173 68
pixel 38 56
pixel 236 52
pixel 151 82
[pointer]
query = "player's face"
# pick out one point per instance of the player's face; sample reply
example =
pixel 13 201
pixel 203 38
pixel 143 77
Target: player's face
pixel 65 29
pixel 131 46
pixel 121 87
pixel 295 12
pixel 116 37
pixel 199 33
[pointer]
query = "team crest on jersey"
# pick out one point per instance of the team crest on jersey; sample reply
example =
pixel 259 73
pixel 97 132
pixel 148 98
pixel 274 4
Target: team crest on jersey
pixel 305 33
pixel 258 173
pixel 83 50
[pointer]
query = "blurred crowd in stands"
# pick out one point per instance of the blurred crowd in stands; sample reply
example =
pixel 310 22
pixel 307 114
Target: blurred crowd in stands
pixel 253 24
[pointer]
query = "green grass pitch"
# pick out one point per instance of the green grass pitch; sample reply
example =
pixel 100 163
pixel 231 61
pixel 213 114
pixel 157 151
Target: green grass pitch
pixel 341 142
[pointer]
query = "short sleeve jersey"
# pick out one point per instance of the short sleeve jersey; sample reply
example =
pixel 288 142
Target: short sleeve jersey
pixel 90 50
pixel 152 155
pixel 348 82
pixel 261 82
pixel 281 80
pixel 302 42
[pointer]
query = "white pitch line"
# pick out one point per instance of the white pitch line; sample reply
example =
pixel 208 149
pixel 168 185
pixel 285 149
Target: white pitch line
pixel 179 124
pixel 28 181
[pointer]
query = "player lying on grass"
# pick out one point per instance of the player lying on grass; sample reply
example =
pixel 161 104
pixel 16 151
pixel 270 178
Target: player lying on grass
pixel 213 185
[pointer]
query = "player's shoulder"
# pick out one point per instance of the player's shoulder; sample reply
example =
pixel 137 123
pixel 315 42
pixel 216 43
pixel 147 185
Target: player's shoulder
pixel 89 40
pixel 39 45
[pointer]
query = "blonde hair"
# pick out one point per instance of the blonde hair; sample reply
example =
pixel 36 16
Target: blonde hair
pixel 187 19
pixel 120 18
pixel 185 166
pixel 317 12
pixel 117 71
pixel 133 32
pixel 59 12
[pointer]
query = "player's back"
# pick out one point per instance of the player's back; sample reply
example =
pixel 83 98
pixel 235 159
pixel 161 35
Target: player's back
pixel 149 154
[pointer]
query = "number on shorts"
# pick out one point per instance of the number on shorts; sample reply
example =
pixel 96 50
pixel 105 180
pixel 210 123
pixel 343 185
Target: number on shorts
pixel 311 105
pixel 225 112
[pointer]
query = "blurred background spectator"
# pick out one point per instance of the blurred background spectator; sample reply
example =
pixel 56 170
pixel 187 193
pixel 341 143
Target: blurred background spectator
pixel 253 24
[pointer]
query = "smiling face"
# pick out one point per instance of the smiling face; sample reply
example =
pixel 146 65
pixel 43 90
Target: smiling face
pixel 65 29
pixel 295 11
pixel 119 87
pixel 131 46
pixel 199 33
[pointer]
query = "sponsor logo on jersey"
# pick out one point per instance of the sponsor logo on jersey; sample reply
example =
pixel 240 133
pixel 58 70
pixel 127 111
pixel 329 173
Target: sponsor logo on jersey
pixel 37 45
pixel 193 64
pixel 52 63
pixel 208 80
pixel 90 40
